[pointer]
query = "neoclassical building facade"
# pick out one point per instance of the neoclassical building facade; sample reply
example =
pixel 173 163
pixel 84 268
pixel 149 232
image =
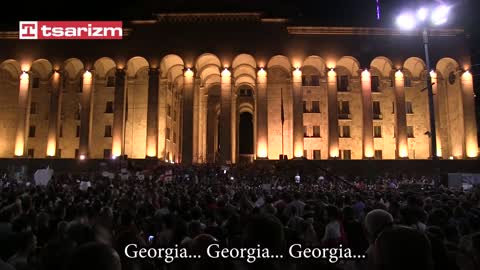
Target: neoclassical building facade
pixel 180 88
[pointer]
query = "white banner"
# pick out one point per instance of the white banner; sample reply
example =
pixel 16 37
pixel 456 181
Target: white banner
pixel 43 176
pixel 463 180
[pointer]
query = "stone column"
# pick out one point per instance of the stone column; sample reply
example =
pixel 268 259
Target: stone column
pixel 162 119
pixel 178 120
pixel 203 127
pixel 196 121
pixel 187 114
pixel 119 102
pixel 262 115
pixel 333 151
pixel 86 101
pixel 368 143
pixel 234 127
pixel 22 114
pixel 400 117
pixel 225 116
pixel 211 122
pixel 436 105
pixel 297 113
pixel 471 143
pixel 54 114
pixel 152 112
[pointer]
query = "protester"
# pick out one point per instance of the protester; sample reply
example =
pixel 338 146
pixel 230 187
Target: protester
pixel 85 221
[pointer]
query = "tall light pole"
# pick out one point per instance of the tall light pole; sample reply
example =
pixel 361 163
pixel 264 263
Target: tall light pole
pixel 431 109
pixel 426 17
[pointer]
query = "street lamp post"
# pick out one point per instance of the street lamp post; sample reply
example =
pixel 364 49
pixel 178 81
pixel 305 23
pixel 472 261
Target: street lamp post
pixel 431 109
pixel 407 21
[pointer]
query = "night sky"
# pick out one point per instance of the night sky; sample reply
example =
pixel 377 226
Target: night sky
pixel 307 12
pixel 325 12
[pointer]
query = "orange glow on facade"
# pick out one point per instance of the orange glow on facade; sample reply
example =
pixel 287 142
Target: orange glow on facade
pixel 297 75
pixel 403 152
pixel 399 74
pixel 433 76
pixel 331 64
pixel 19 149
pixel 369 152
pixel 333 143
pixel 366 75
pixel 297 63
pixel 22 99
pixel 86 92
pixel 87 75
pixel 262 73
pixel 467 76
pixel 334 153
pixel 262 132
pixel 51 148
pixel 366 80
pixel 52 135
pixel 298 151
pixel 457 152
pixel 226 73
pixel 472 149
pixel 151 150
pixel 87 81
pixel 298 114
pixel 368 149
pixel 116 148
pixel 25 66
pixel 262 150
pixel 188 73
pixel 402 140
pixel 471 143
pixel 24 78
pixel 332 73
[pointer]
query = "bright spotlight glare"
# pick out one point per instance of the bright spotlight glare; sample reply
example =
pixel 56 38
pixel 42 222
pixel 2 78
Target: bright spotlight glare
pixel 422 14
pixel 406 21
pixel 440 15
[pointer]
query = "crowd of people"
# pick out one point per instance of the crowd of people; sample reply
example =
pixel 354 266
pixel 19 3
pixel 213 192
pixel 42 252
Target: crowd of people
pixel 86 221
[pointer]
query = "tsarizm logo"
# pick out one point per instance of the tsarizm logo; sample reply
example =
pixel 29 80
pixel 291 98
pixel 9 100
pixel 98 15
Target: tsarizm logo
pixel 70 30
